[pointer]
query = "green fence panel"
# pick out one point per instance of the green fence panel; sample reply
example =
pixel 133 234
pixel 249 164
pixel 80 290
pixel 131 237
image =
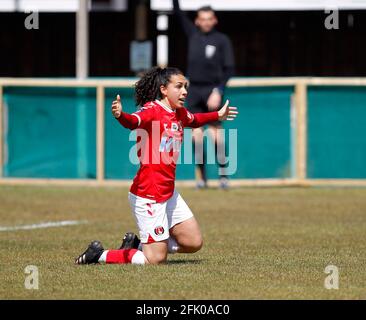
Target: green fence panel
pixel 336 132
pixel 263 132
pixel 117 138
pixel 262 129
pixel 50 132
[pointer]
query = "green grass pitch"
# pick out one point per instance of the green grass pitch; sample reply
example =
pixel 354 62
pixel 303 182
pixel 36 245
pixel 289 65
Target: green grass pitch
pixel 259 243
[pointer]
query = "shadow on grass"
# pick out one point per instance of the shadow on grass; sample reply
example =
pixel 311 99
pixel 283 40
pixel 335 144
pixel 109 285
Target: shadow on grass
pixel 185 261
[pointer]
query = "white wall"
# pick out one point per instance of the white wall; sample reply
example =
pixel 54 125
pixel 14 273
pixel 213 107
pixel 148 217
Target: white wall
pixel 243 5
pixel 38 5
pixel 55 5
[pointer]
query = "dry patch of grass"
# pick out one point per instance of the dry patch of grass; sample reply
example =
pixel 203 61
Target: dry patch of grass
pixel 270 243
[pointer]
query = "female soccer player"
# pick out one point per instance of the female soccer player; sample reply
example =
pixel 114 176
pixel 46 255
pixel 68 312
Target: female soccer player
pixel 165 222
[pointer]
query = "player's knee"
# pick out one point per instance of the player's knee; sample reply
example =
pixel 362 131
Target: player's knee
pixel 157 258
pixel 198 244
pixel 194 245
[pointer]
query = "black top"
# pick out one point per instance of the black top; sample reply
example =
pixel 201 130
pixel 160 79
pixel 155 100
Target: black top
pixel 210 55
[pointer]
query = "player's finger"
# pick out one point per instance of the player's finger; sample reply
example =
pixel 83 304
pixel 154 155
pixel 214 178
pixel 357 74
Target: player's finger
pixel 118 98
pixel 226 104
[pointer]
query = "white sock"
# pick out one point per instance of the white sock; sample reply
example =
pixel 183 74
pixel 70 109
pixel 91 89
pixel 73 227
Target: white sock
pixel 172 245
pixel 103 257
pixel 138 258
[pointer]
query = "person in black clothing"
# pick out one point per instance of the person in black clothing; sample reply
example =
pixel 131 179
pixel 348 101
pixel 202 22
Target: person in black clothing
pixel 210 65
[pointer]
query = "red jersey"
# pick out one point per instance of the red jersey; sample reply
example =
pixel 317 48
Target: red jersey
pixel 159 139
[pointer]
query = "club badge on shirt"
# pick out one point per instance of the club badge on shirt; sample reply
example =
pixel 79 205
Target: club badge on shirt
pixel 210 51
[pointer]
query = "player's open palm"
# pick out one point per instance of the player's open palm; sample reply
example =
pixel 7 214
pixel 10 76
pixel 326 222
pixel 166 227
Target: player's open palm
pixel 117 107
pixel 227 112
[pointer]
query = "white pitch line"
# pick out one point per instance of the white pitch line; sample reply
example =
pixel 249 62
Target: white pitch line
pixel 44 225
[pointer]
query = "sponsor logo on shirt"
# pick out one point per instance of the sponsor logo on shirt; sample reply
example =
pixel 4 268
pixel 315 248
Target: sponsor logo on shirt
pixel 175 126
pixel 171 139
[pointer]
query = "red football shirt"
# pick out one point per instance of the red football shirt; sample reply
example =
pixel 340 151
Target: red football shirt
pixel 159 139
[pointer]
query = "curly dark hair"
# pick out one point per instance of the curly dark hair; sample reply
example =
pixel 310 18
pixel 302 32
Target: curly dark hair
pixel 148 87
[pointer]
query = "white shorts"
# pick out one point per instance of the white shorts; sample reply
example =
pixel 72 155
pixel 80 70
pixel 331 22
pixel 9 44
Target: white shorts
pixel 155 219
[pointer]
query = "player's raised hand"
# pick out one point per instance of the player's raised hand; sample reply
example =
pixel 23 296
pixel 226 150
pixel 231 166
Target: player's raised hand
pixel 117 107
pixel 227 112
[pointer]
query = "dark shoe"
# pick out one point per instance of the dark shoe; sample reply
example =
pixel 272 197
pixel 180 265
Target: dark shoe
pixel 130 241
pixel 91 254
pixel 224 183
pixel 201 184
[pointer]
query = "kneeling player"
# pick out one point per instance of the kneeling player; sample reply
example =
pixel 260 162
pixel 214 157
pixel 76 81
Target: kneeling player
pixel 165 222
